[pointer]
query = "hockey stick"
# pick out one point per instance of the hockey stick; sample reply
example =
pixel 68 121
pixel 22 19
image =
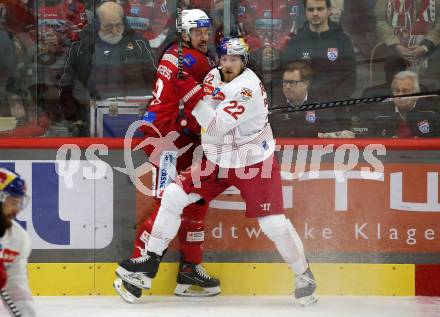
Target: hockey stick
pixel 351 102
pixel 10 304
pixel 179 40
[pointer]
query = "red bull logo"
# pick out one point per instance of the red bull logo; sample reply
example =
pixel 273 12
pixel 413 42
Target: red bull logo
pixel 3 178
pixel 246 93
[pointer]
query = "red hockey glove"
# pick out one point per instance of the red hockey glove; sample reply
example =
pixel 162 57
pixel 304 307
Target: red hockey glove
pixel 3 275
pixel 188 90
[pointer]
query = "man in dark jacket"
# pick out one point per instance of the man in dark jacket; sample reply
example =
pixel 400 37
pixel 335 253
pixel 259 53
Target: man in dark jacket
pixel 110 60
pixel 328 49
pixel 326 123
pixel 404 117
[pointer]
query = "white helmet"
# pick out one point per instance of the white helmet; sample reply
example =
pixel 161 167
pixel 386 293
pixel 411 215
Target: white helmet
pixel 234 46
pixel 194 18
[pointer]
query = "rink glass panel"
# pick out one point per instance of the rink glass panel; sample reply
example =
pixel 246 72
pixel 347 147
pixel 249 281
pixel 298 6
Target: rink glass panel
pixel 36 45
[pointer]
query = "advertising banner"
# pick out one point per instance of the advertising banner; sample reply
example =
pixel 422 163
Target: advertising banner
pixel 348 203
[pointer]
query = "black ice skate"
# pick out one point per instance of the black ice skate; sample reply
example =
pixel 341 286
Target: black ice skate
pixel 126 291
pixel 193 280
pixel 305 286
pixel 139 271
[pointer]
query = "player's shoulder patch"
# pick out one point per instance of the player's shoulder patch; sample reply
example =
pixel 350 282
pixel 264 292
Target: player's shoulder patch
pixel 167 57
pixel 189 60
pixel 310 116
pixel 246 93
pixel 71 6
pixel 424 126
pixel 217 94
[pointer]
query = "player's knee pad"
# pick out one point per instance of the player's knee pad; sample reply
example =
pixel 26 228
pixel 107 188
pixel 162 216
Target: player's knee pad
pixel 273 225
pixel 175 199
pixel 281 232
pixel 277 225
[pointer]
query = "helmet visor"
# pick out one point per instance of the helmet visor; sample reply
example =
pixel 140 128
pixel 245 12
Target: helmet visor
pixel 16 201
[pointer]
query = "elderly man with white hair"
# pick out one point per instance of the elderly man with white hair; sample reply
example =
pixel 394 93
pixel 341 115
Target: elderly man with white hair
pixel 404 117
pixel 110 60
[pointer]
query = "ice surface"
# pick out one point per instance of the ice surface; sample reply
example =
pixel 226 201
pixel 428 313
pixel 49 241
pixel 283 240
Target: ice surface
pixel 242 306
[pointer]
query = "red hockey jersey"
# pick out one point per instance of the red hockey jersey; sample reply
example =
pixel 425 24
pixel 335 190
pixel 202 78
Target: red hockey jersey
pixel 163 111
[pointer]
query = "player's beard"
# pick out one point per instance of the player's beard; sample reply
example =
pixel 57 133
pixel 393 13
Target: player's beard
pixel 229 76
pixel 110 38
pixel 203 47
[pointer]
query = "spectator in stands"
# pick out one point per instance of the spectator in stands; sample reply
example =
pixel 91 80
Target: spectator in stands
pixel 49 115
pixel 16 16
pixel 65 17
pixel 267 26
pixel 109 61
pixel 404 117
pixel 296 79
pixel 46 67
pixel 383 89
pixel 15 19
pixel 357 19
pixel 327 123
pixel 336 10
pixel 215 10
pixel 410 29
pixel 361 127
pixel 8 70
pixel 329 50
pixel 149 18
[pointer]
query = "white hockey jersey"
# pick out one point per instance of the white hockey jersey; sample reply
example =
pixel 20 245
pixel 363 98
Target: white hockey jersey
pixel 15 246
pixel 234 120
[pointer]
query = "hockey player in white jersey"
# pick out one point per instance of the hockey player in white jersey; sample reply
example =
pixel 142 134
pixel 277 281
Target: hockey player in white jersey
pixel 239 148
pixel 15 245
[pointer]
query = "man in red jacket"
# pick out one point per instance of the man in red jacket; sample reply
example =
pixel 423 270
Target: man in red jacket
pixel 166 115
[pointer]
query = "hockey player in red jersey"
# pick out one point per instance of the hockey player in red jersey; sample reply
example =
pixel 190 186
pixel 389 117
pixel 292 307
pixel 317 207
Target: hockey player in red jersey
pixel 66 17
pixel 166 115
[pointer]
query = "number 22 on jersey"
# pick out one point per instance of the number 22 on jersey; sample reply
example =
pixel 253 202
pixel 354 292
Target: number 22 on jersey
pixel 234 109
